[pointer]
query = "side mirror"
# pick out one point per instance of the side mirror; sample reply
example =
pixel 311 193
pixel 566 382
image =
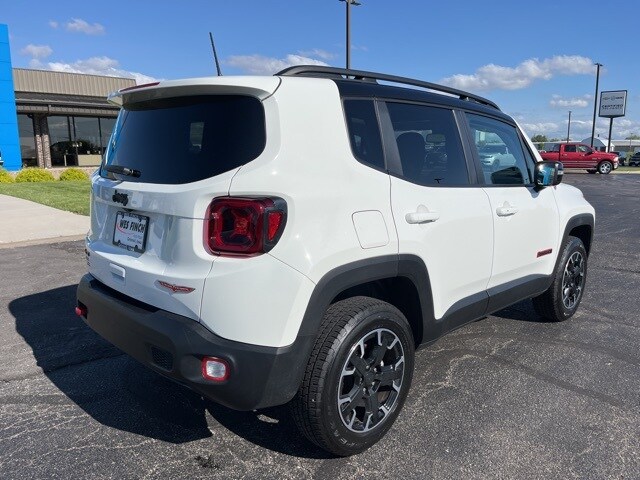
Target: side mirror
pixel 548 174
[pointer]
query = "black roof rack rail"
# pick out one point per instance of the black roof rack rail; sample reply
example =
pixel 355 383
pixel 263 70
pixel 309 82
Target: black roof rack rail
pixel 311 70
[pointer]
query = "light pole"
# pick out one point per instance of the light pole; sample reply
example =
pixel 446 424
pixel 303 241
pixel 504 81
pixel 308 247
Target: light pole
pixel 569 126
pixel 595 103
pixel 349 3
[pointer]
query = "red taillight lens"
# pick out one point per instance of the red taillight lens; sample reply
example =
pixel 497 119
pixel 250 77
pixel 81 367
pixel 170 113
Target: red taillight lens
pixel 243 226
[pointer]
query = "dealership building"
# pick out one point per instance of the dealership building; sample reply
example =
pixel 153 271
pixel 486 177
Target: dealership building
pixel 53 119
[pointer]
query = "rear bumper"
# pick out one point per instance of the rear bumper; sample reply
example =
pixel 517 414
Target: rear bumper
pixel 174 346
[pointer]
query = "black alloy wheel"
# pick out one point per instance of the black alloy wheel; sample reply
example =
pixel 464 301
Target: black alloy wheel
pixel 371 380
pixel 573 280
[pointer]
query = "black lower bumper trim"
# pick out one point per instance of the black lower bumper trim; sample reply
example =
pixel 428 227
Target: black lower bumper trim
pixel 174 345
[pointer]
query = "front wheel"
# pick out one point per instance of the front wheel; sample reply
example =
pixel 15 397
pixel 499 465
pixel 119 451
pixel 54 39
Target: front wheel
pixel 560 301
pixel 357 378
pixel 605 167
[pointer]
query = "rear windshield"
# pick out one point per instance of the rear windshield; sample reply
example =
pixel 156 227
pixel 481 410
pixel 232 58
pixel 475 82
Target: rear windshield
pixel 186 139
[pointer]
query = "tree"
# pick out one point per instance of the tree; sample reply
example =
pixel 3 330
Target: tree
pixel 554 140
pixel 539 138
pixel 633 136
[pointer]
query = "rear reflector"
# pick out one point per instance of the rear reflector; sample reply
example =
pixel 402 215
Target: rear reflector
pixel 81 311
pixel 215 369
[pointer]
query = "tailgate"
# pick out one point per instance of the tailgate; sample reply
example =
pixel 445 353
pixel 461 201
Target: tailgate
pixel 170 270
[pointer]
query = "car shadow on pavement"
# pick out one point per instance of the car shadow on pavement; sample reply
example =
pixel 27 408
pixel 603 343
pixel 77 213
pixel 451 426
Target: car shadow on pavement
pixel 522 311
pixel 120 393
pixel 270 428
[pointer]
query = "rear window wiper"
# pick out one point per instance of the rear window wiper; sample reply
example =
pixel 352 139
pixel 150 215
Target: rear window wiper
pixel 129 172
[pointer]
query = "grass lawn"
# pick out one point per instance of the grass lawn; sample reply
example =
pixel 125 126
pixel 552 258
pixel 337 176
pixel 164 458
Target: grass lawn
pixel 628 169
pixel 70 196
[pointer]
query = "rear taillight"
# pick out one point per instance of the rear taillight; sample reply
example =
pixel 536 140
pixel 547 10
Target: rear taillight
pixel 244 226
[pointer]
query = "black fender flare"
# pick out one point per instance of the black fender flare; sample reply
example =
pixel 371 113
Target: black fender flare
pixel 582 219
pixel 356 273
pixel 350 275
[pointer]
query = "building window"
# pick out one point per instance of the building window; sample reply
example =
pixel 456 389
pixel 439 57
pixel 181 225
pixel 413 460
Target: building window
pixel 86 135
pixel 27 141
pixel 106 127
pixel 60 140
pixel 78 140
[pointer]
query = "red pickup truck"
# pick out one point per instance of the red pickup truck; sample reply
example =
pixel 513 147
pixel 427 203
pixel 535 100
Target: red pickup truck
pixel 579 155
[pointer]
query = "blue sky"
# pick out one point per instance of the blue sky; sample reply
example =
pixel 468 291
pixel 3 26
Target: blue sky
pixel 535 59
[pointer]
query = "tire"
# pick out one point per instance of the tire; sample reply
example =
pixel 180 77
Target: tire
pixel 592 171
pixel 561 300
pixel 605 167
pixel 349 378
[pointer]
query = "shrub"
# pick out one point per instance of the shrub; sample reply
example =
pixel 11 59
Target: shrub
pixel 5 177
pixel 34 175
pixel 73 174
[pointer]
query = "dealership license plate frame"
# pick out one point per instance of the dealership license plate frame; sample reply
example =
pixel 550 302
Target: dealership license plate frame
pixel 121 237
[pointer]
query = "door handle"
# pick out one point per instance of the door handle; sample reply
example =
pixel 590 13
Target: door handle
pixel 506 210
pixel 421 217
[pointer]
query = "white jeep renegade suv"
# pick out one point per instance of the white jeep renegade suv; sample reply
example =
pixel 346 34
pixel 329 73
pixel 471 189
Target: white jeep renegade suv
pixel 295 238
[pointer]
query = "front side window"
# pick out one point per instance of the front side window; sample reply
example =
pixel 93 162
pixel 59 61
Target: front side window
pixel 186 139
pixel 500 151
pixel 429 144
pixel 584 149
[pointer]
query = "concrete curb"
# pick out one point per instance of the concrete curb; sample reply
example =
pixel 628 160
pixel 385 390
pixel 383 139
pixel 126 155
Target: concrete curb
pixel 42 241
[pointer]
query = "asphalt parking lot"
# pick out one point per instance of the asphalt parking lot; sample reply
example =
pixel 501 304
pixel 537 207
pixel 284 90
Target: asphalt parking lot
pixel 508 396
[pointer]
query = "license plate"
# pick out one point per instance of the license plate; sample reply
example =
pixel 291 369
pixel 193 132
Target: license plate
pixel 130 231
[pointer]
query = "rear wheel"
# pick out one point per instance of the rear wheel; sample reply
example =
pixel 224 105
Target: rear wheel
pixel 605 167
pixel 357 378
pixel 562 298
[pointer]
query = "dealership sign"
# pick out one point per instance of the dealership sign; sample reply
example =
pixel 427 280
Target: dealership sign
pixel 613 104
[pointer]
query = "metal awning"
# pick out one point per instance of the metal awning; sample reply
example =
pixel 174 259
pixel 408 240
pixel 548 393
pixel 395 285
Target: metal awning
pixel 48 103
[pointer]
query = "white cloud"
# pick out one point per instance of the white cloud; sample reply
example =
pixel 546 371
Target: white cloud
pixel 53 24
pixel 36 51
pixel 98 66
pixel 493 76
pixel 577 102
pixel 260 65
pixel 82 26
pixel 317 52
pixel 539 128
pixel 582 126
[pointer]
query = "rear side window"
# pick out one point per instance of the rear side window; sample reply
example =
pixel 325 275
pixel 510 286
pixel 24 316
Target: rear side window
pixel 364 133
pixel 186 139
pixel 429 145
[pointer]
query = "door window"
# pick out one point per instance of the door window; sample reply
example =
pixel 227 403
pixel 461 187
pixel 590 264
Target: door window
pixel 500 151
pixel 428 144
